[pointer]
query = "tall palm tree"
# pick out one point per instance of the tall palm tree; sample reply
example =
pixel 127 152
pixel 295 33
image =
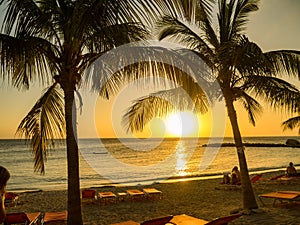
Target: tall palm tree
pixel 243 71
pixel 54 41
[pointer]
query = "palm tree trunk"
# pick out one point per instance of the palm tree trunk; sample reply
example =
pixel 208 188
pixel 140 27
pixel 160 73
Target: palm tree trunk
pixel 249 201
pixel 74 204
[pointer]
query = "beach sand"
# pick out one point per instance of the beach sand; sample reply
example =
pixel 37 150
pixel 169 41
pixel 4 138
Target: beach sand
pixel 205 199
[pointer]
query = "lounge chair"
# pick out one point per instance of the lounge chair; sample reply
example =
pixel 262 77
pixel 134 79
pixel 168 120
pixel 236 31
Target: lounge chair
pixel 289 180
pixel 152 193
pixel 277 177
pixel 189 220
pixel 21 218
pixel 88 196
pixel 282 196
pixel 256 178
pixel 11 199
pixel 122 196
pixel 159 221
pixel 107 197
pixel 55 218
pixel 135 194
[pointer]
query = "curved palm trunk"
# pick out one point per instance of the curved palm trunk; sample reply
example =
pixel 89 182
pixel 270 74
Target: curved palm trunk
pixel 74 203
pixel 249 201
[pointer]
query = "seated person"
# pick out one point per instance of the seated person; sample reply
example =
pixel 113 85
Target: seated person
pixel 226 178
pixel 235 176
pixel 4 176
pixel 291 170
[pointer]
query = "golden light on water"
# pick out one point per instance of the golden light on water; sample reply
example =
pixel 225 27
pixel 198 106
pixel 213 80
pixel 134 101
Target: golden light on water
pixel 181 160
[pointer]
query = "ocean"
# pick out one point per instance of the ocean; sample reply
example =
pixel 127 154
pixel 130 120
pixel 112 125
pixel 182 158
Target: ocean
pixel 141 161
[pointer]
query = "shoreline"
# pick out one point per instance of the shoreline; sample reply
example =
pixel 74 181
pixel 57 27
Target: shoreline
pixel 198 198
pixel 169 180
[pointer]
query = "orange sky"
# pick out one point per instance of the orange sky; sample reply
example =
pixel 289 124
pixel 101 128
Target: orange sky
pixel 274 26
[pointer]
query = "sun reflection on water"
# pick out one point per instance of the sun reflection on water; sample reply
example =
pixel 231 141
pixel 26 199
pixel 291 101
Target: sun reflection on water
pixel 181 160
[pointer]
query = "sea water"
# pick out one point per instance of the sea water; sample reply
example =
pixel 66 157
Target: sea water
pixel 140 161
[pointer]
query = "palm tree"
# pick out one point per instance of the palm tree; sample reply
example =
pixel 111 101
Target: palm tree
pixel 243 71
pixel 54 41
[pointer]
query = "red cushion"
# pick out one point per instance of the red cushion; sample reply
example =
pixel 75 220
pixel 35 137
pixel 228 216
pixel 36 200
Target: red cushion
pixel 12 218
pixel 88 193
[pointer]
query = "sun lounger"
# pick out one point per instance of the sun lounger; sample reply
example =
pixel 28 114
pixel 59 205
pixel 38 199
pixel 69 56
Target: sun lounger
pixel 277 177
pixel 189 220
pixel 282 196
pixel 159 221
pixel 289 180
pixel 256 178
pixel 11 199
pixel 135 194
pixel 88 196
pixel 152 193
pixel 21 218
pixel 121 196
pixel 55 218
pixel 107 197
pixel 290 192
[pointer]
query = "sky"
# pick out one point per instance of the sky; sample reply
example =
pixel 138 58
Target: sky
pixel 275 26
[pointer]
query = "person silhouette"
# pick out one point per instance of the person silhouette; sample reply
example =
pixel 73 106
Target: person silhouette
pixel 291 170
pixel 4 177
pixel 235 176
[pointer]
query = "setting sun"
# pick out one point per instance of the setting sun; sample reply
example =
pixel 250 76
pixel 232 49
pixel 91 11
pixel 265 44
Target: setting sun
pixel 182 124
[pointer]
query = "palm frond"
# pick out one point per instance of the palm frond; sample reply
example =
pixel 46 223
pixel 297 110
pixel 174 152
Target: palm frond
pixel 233 16
pixel 285 61
pixel 183 34
pixel 277 92
pixel 245 56
pixel 242 10
pixel 27 18
pixel 252 107
pixel 103 39
pixel 224 21
pixel 144 110
pixel 129 63
pixel 206 24
pixel 44 122
pixel 162 103
pixel 22 59
pixel 291 124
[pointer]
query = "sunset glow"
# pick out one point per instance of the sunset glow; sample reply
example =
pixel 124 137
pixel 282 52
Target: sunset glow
pixel 182 124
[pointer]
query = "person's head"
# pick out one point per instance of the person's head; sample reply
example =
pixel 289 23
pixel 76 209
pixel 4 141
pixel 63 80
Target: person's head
pixel 291 164
pixel 235 168
pixel 4 177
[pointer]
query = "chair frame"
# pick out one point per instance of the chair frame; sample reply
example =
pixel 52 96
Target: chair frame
pixel 282 196
pixel 55 217
pixel 159 221
pixel 107 197
pixel 153 194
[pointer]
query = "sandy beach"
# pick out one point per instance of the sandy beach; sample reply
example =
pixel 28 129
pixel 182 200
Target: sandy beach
pixel 205 199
